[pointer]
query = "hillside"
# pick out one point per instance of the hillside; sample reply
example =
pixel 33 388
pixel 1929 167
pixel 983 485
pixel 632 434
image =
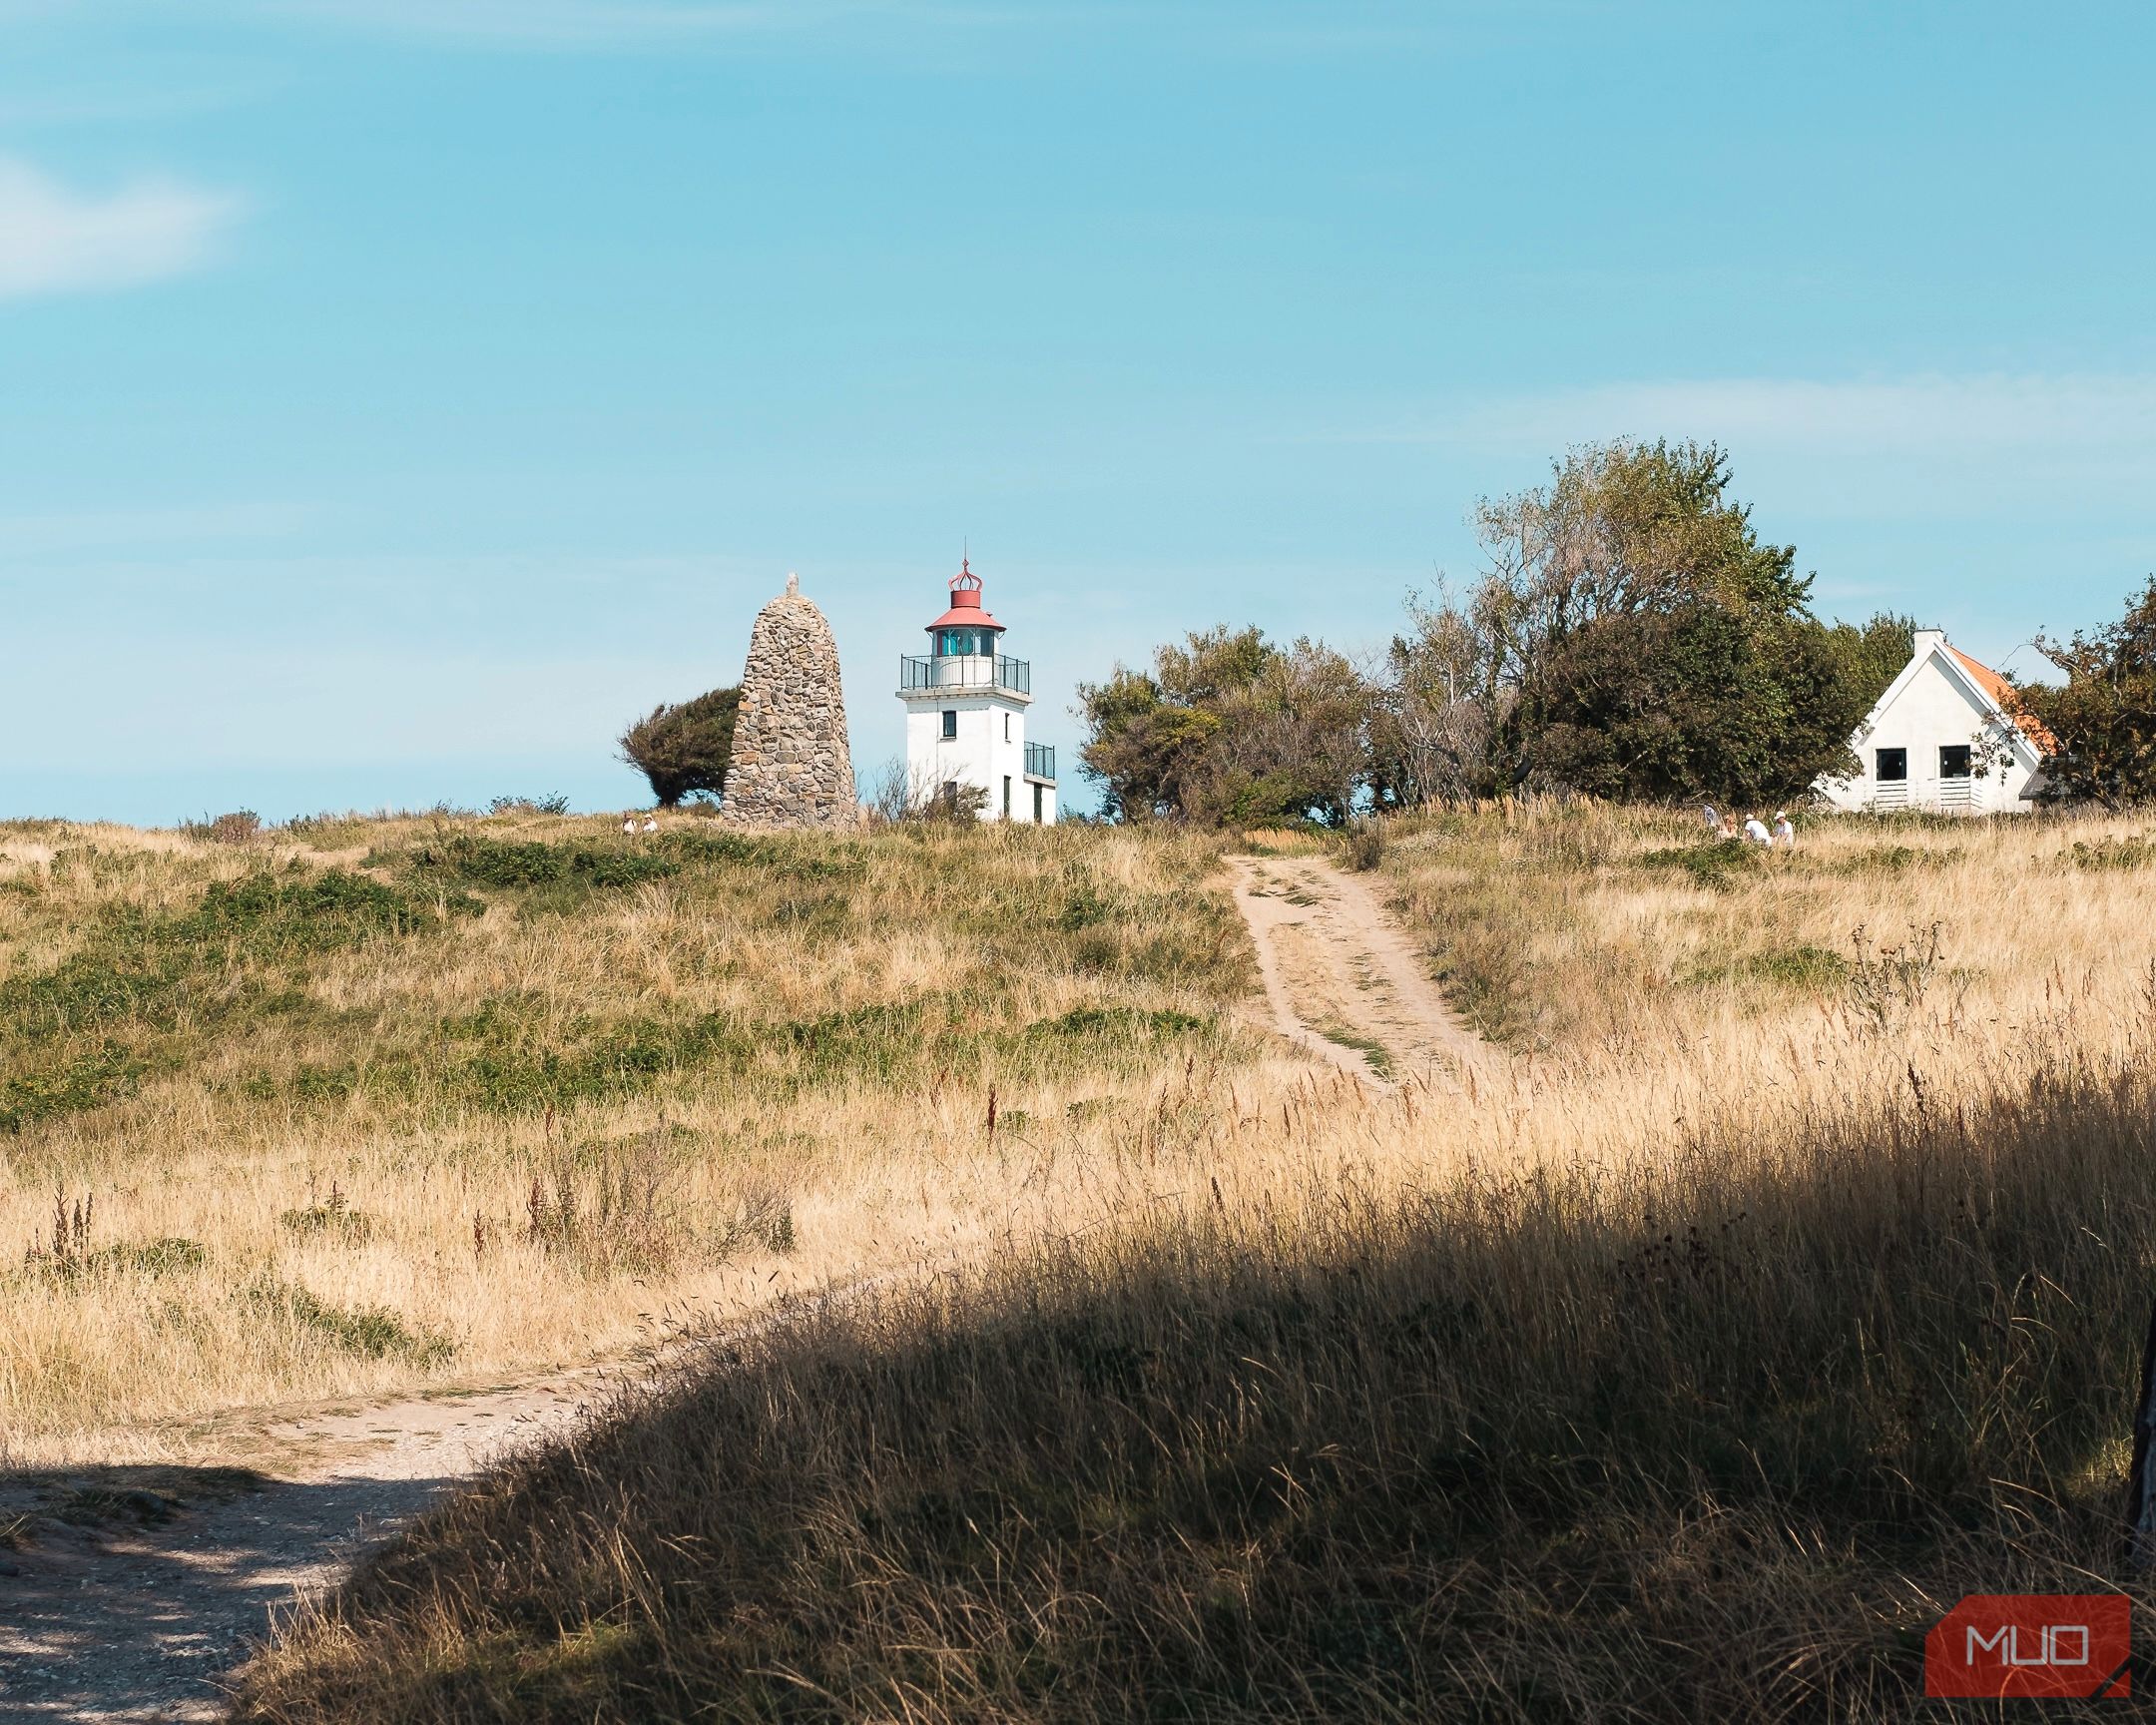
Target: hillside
pixel 363 1105
pixel 1751 1279
pixel 1789 1287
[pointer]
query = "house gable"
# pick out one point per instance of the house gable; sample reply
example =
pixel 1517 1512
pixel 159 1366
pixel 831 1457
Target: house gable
pixel 1955 668
pixel 1940 700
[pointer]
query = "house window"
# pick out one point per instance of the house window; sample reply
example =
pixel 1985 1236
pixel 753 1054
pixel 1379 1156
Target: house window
pixel 1893 766
pixel 951 722
pixel 1006 726
pixel 1006 796
pixel 1036 805
pixel 1954 761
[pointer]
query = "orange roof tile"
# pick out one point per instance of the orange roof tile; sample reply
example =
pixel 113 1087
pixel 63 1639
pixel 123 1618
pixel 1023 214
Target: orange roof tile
pixel 2007 701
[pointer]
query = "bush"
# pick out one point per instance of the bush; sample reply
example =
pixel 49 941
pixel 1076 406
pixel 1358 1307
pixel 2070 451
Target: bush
pixel 1717 866
pixel 1365 846
pixel 239 826
pixel 332 1215
pixel 528 805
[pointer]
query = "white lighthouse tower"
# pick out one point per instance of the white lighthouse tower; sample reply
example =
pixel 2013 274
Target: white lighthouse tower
pixel 966 707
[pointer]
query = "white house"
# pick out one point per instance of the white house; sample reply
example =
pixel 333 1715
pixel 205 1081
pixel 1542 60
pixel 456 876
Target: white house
pixel 965 706
pixel 1942 738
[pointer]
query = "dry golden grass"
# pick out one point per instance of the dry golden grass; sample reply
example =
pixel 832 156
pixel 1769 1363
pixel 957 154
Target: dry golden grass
pixel 335 1163
pixel 1779 1290
pixel 1688 1373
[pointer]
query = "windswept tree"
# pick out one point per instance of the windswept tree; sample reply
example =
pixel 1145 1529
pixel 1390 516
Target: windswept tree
pixel 1226 726
pixel 684 748
pixel 2103 718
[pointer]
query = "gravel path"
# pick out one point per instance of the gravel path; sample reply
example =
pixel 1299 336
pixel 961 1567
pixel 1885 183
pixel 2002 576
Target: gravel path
pixel 137 1589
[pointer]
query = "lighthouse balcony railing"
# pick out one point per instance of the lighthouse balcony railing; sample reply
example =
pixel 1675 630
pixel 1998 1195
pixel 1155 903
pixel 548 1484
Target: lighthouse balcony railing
pixel 1040 761
pixel 968 671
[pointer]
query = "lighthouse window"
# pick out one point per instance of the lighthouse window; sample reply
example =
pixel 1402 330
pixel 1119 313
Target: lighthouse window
pixel 951 722
pixel 959 643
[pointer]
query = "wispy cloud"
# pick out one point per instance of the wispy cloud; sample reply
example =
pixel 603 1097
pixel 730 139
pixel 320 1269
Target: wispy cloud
pixel 591 24
pixel 57 238
pixel 1992 411
pixel 1922 447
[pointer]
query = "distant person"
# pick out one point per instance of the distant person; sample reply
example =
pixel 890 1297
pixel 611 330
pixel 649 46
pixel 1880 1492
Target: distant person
pixel 1713 821
pixel 1729 828
pixel 627 824
pixel 651 822
pixel 1785 834
pixel 1755 830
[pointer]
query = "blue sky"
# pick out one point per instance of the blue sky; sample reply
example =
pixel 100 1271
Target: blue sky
pixel 397 395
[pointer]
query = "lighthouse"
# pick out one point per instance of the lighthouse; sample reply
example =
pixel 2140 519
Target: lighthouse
pixel 965 707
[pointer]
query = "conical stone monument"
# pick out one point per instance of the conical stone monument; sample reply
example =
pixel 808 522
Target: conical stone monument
pixel 790 766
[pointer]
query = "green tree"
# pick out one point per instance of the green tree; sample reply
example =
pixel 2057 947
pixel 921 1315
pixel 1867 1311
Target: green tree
pixel 1873 653
pixel 1631 636
pixel 1228 727
pixel 686 747
pixel 2102 719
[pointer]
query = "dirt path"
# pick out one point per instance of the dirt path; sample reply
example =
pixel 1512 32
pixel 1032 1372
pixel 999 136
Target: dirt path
pixel 1340 976
pixel 138 1589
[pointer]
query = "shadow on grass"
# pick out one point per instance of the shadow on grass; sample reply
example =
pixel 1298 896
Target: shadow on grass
pixel 1715 1441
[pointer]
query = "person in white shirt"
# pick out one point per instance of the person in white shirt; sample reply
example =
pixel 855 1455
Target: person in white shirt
pixel 1755 830
pixel 1785 834
pixel 627 824
pixel 651 822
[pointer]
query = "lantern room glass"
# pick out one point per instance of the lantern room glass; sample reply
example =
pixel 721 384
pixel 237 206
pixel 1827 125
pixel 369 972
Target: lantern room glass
pixel 964 643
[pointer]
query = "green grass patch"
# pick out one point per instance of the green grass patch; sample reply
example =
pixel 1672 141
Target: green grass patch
pixel 86 1031
pixel 2112 854
pixel 372 1332
pixel 1720 865
pixel 472 860
pixel 1119 1024
pixel 172 1255
pixel 1890 859
pixel 1815 970
pixel 1375 1052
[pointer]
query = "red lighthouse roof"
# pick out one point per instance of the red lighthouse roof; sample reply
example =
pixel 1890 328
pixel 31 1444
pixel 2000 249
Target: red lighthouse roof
pixel 965 602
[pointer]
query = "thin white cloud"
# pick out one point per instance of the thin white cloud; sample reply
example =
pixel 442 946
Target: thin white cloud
pixel 1994 411
pixel 598 23
pixel 57 238
pixel 1928 447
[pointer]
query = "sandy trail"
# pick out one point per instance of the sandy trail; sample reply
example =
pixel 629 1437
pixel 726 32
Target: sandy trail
pixel 1343 979
pixel 140 1621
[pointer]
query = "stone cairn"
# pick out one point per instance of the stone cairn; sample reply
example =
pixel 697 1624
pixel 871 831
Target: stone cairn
pixel 790 766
